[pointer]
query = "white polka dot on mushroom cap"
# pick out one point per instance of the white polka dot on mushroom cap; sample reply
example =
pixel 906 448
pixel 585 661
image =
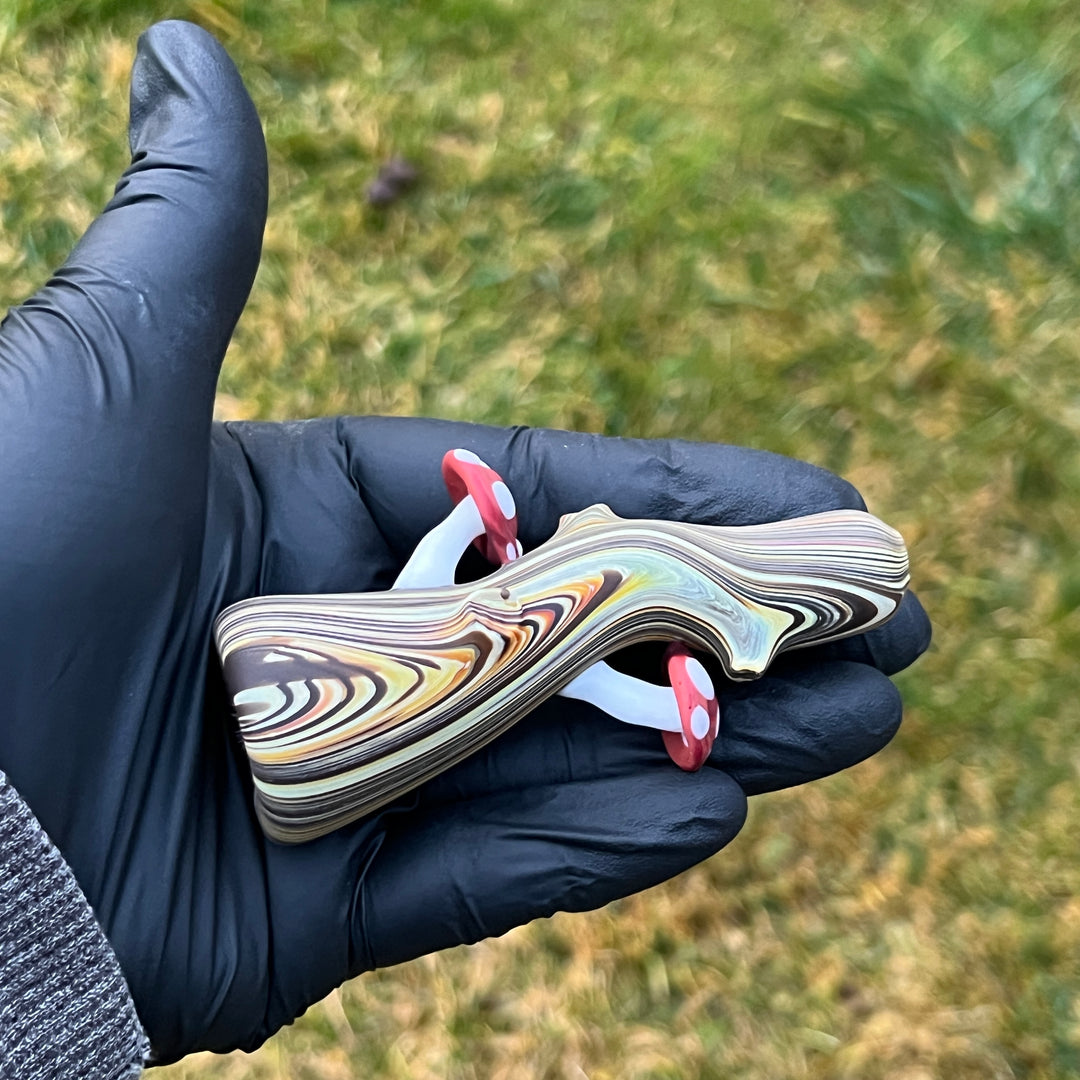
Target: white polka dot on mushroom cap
pixel 505 499
pixel 700 678
pixel 469 457
pixel 699 722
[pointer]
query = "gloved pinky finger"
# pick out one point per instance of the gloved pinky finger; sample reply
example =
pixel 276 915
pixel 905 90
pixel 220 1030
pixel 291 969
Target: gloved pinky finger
pixel 456 874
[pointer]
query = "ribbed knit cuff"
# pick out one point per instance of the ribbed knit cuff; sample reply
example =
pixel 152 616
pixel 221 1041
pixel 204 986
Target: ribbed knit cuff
pixel 65 1009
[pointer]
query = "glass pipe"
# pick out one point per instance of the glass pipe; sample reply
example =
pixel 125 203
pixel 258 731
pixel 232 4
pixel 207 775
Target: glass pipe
pixel 346 701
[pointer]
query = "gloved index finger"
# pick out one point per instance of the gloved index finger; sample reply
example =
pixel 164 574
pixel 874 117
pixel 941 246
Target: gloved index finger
pixel 669 479
pixel 396 466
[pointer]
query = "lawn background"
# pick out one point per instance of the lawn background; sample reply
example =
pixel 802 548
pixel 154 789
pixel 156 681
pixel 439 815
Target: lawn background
pixel 844 231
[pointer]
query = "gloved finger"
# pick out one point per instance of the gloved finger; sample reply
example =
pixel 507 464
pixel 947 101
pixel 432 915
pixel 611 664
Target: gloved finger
pixel 343 502
pixel 804 721
pixel 143 308
pixel 395 463
pixel 454 874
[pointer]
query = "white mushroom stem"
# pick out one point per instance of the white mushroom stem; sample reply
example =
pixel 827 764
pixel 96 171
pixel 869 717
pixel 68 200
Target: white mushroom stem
pixel 436 556
pixel 634 701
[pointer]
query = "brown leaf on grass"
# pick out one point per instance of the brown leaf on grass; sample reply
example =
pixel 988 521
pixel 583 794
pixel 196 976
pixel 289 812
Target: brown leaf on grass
pixel 396 178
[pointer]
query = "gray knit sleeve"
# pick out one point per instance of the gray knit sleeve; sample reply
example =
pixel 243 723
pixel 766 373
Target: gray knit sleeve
pixel 65 1009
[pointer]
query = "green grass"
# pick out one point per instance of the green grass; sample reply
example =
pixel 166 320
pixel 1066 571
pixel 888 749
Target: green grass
pixel 843 231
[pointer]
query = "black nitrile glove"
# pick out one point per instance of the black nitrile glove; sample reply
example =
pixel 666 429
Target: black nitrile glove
pixel 128 521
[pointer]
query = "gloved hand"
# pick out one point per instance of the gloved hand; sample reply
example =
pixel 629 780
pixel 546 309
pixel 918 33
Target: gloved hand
pixel 128 521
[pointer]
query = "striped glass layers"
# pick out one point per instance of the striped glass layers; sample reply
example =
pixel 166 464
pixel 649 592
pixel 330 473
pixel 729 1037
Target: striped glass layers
pixel 347 701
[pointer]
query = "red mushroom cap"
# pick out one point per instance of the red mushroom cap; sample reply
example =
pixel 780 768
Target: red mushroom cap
pixel 699 709
pixel 465 474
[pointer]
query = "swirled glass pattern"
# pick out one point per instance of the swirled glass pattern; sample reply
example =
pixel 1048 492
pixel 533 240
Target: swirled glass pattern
pixel 346 701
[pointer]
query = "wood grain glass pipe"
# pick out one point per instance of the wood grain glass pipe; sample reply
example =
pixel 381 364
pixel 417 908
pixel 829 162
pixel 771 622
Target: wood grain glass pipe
pixel 347 701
